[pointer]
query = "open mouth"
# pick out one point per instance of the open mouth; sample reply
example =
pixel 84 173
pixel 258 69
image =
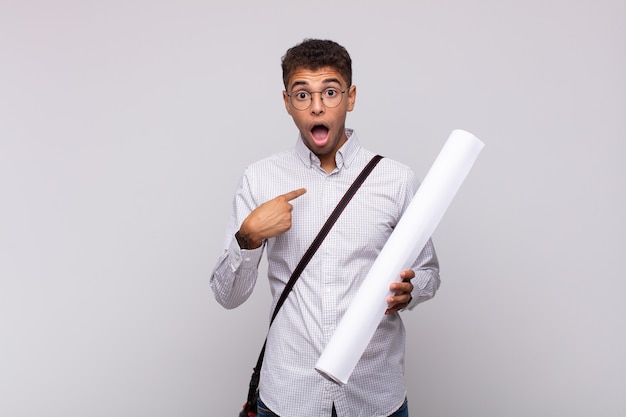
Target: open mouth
pixel 319 133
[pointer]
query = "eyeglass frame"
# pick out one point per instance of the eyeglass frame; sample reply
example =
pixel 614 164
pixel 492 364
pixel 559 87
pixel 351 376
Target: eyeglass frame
pixel 321 98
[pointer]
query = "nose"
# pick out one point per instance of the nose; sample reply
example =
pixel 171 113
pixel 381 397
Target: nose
pixel 317 104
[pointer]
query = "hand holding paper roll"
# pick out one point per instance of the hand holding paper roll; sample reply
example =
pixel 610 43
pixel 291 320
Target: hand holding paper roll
pixel 401 292
pixel 405 243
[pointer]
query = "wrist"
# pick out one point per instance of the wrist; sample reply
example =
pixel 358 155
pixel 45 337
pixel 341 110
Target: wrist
pixel 245 242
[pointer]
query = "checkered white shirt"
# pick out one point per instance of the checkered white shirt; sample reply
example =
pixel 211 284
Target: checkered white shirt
pixel 289 385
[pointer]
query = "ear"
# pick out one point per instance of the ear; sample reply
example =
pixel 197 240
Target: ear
pixel 287 104
pixel 351 97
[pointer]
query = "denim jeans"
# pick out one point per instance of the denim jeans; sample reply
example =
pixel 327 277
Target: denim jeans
pixel 263 411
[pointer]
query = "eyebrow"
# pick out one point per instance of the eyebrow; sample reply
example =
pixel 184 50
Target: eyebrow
pixel 324 81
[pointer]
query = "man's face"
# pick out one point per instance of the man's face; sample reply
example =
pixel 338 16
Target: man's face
pixel 322 127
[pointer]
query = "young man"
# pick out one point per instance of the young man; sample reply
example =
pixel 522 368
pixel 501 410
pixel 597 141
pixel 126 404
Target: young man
pixel 280 205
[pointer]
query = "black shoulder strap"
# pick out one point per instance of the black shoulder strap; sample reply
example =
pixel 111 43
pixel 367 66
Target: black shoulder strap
pixel 315 245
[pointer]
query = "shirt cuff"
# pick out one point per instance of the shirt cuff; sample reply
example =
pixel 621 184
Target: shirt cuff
pixel 244 258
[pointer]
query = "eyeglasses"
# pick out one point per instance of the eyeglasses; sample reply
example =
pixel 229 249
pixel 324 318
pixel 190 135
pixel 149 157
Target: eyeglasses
pixel 302 99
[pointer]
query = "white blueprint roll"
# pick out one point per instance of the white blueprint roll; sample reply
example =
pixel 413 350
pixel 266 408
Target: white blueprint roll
pixel 404 245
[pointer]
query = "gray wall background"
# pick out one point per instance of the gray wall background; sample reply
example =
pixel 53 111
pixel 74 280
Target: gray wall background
pixel 124 127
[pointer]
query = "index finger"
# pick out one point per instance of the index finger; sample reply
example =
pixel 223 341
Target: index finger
pixel 407 275
pixel 294 194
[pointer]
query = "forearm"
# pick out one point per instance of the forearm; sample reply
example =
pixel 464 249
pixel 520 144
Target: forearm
pixel 235 275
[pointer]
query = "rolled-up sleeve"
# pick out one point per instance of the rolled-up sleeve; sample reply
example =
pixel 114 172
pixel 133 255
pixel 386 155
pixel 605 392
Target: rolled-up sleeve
pixel 235 274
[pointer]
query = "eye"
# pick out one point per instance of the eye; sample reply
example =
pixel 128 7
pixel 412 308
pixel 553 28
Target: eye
pixel 331 92
pixel 301 95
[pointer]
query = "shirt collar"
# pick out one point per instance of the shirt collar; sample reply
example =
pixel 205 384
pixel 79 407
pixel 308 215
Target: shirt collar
pixel 344 157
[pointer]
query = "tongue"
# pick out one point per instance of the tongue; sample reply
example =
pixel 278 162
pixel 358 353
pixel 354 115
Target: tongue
pixel 319 133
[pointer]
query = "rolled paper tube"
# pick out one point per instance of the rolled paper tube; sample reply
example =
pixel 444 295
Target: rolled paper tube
pixel 416 226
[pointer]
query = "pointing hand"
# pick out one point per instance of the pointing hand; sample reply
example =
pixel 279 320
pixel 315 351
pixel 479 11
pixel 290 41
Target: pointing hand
pixel 270 219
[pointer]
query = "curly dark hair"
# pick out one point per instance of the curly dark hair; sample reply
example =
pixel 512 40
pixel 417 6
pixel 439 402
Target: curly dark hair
pixel 314 54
